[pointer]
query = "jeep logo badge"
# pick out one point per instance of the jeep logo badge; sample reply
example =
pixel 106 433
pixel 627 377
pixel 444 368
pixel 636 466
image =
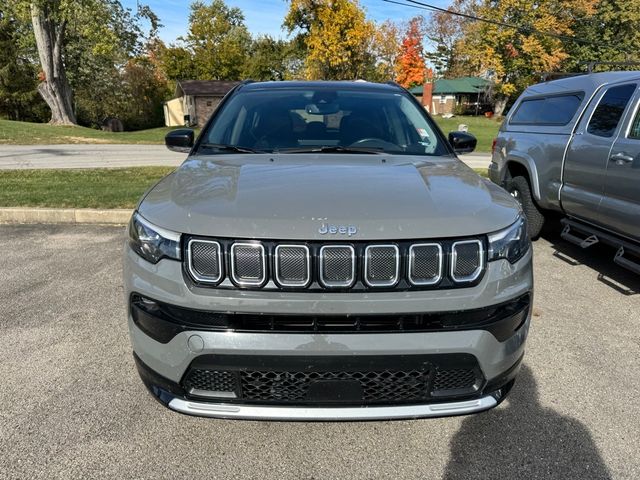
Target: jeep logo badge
pixel 337 229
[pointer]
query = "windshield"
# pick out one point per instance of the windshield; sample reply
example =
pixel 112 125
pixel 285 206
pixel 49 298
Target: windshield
pixel 297 120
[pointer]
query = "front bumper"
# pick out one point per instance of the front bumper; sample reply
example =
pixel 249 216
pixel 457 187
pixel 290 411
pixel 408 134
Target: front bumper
pixel 257 412
pixel 163 366
pixel 173 396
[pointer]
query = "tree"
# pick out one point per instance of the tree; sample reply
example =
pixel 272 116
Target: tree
pixel 611 34
pixel 386 48
pixel 144 89
pixel 336 35
pixel 445 31
pixel 49 28
pixel 515 57
pixel 218 41
pixel 411 69
pixel 80 47
pixel 269 59
pixel 19 99
pixel 176 61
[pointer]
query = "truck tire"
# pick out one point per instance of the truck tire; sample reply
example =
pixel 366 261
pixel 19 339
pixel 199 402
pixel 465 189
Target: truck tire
pixel 519 188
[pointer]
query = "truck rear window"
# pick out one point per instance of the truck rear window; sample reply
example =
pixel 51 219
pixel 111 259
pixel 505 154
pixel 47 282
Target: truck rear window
pixel 553 110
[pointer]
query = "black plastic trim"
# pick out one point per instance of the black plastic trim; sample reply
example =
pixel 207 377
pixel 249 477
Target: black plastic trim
pixel 162 321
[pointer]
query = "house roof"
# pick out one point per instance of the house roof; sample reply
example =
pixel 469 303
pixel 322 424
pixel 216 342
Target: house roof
pixel 455 85
pixel 460 85
pixel 216 88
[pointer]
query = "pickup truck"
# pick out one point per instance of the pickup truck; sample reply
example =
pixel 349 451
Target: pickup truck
pixel 572 146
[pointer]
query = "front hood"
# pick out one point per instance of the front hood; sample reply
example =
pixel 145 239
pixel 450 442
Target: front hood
pixel 298 196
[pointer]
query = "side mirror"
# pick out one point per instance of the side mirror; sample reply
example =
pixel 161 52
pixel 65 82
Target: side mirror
pixel 462 142
pixel 180 140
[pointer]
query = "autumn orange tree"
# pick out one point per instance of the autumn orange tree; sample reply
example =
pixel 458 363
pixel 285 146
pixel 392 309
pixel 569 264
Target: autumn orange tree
pixel 336 35
pixel 411 69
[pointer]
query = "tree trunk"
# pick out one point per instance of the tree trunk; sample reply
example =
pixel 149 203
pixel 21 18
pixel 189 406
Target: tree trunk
pixel 499 104
pixel 54 89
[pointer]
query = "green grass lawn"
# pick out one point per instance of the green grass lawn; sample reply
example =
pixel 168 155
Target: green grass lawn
pixel 25 133
pixel 484 129
pixel 82 188
pixel 90 188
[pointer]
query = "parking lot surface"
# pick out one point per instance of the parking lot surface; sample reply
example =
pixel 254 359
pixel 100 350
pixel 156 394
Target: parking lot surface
pixel 72 405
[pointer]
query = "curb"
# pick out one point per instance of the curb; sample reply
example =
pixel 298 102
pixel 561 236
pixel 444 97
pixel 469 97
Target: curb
pixel 118 216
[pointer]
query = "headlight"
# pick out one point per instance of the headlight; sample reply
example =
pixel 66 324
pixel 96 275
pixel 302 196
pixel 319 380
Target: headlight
pixel 511 243
pixel 152 243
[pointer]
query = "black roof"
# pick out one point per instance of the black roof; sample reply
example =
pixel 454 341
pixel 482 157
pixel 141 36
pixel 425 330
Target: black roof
pixel 205 87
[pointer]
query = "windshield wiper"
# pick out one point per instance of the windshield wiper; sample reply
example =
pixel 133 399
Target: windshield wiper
pixel 229 148
pixel 332 149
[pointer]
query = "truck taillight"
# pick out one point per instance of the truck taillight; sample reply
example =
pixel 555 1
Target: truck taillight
pixel 493 146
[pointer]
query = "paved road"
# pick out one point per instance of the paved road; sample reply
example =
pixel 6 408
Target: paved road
pixel 72 405
pixel 111 156
pixel 86 156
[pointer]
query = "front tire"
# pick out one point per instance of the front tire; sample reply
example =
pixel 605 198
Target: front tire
pixel 519 189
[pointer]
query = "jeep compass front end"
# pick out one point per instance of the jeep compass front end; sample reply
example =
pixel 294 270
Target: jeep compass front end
pixel 323 255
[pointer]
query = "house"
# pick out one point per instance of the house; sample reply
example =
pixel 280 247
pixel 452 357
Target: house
pixel 447 94
pixel 195 101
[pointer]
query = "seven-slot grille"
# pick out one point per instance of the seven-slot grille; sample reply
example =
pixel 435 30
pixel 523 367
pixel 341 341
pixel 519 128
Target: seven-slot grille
pixel 272 265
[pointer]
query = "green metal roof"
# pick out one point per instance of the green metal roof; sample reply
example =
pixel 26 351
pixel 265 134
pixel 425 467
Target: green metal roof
pixel 460 85
pixel 455 85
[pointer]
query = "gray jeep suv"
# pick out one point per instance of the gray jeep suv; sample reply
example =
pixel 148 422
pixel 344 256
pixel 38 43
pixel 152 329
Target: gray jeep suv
pixel 322 254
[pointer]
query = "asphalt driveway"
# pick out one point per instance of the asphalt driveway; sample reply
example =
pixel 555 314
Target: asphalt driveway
pixel 72 405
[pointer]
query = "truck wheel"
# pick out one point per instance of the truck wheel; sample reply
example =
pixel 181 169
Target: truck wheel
pixel 519 189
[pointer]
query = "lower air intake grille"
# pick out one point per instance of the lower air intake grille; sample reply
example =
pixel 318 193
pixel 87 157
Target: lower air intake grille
pixel 382 386
pixel 459 379
pixel 211 380
pixel 364 382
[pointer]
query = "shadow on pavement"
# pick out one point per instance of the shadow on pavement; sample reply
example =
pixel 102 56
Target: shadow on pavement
pixel 596 257
pixel 521 439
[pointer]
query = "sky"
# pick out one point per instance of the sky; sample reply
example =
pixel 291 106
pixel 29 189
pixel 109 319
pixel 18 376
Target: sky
pixel 263 16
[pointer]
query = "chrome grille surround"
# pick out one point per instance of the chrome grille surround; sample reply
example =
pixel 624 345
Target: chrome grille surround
pixel 260 263
pixel 321 265
pixel 193 270
pixel 464 262
pixel 325 262
pixel 369 262
pixel 424 280
pixel 279 260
